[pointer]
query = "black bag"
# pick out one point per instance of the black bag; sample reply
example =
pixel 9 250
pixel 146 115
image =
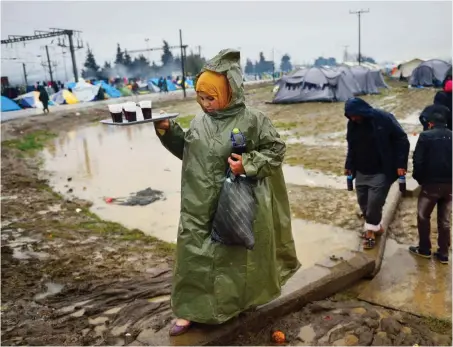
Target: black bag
pixel 235 215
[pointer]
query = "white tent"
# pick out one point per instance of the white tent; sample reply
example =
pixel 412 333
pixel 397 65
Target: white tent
pixel 405 69
pixel 84 91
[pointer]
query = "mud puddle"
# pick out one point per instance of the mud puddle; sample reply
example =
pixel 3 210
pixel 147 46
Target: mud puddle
pixel 316 241
pixel 305 177
pixel 100 162
pixel 335 139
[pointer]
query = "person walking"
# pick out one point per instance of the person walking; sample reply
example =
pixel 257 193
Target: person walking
pixel 443 98
pixel 378 150
pixel 44 98
pixel 433 171
pixel 213 282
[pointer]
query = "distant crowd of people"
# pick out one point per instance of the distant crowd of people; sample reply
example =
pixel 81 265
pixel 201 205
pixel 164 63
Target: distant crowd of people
pixel 378 151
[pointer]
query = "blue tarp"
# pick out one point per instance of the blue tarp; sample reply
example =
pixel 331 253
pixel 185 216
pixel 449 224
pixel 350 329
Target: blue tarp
pixel 71 85
pixel 9 105
pixel 112 92
pixel 170 85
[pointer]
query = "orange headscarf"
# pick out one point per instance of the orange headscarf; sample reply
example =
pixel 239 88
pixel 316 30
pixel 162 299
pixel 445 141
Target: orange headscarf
pixel 215 85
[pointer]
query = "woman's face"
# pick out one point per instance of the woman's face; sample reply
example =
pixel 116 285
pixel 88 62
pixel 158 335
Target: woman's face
pixel 209 103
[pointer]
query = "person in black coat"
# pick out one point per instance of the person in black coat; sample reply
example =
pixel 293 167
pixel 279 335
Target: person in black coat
pixel 433 171
pixel 44 98
pixel 444 98
pixel 378 150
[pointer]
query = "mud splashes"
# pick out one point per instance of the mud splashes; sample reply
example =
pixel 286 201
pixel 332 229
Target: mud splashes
pixel 52 289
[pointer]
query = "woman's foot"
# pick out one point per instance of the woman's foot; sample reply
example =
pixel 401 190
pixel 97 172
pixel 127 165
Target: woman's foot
pixel 179 327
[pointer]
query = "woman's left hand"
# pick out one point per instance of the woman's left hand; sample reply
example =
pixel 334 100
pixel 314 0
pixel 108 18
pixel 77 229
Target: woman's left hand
pixel 236 165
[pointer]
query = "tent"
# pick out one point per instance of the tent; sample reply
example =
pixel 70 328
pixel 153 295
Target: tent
pixel 365 79
pixel 112 92
pixel 31 100
pixel 125 91
pixel 64 97
pixel 429 73
pixel 9 105
pixel 379 79
pixel 405 69
pixel 352 82
pixel 313 84
pixel 85 92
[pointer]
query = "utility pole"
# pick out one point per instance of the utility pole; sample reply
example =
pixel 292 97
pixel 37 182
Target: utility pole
pixel 25 74
pixel 359 14
pixel 183 49
pixel 49 64
pixel 199 51
pixel 72 50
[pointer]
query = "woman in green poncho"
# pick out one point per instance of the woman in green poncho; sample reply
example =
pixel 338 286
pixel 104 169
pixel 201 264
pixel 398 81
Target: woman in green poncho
pixel 212 282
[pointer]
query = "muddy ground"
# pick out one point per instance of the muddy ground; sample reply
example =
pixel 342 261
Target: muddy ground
pixel 69 278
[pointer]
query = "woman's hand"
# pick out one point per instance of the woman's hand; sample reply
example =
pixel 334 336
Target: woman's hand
pixel 162 124
pixel 236 165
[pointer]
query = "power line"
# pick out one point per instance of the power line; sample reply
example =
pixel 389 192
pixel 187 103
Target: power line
pixel 55 32
pixel 359 14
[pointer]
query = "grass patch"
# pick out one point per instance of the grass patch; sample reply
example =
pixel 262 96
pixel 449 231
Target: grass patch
pixel 30 143
pixel 97 225
pixel 284 125
pixel 184 122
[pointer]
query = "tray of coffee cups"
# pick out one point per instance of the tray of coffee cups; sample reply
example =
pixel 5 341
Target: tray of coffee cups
pixel 131 113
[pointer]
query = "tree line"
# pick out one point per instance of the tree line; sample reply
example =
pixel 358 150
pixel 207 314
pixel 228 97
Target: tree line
pixel 265 66
pixel 140 66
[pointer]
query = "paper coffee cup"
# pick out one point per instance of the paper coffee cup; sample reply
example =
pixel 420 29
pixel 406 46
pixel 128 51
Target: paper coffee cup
pixel 130 107
pixel 115 108
pixel 145 104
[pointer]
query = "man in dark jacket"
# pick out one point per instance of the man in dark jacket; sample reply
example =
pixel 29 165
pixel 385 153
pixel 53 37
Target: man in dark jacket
pixel 378 150
pixel 444 98
pixel 433 171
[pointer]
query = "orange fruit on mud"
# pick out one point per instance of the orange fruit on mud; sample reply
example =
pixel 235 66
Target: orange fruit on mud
pixel 278 337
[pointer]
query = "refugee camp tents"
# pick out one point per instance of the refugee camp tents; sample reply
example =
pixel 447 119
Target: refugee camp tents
pixel 429 73
pixel 313 84
pixel 405 69
pixel 64 97
pixel 9 105
pixel 111 91
pixel 125 91
pixel 365 79
pixel 351 81
pixel 85 92
pixel 31 100
pixel 378 79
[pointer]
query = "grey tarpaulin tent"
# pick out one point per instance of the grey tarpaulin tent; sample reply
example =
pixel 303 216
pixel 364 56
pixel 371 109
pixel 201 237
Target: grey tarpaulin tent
pixel 429 73
pixel 365 79
pixel 352 82
pixel 379 79
pixel 313 84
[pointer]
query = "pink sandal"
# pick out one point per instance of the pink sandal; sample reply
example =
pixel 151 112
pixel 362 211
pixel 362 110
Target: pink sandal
pixel 177 330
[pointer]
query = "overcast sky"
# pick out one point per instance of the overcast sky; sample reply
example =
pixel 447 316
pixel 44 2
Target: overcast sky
pixel 390 31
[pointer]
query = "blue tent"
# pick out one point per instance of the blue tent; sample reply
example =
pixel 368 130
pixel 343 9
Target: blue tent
pixel 170 85
pixel 9 105
pixel 112 92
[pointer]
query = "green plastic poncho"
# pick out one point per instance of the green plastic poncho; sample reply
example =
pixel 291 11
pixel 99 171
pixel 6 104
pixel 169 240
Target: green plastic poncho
pixel 213 283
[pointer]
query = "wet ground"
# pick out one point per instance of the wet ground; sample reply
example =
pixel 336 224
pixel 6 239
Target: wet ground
pixel 98 282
